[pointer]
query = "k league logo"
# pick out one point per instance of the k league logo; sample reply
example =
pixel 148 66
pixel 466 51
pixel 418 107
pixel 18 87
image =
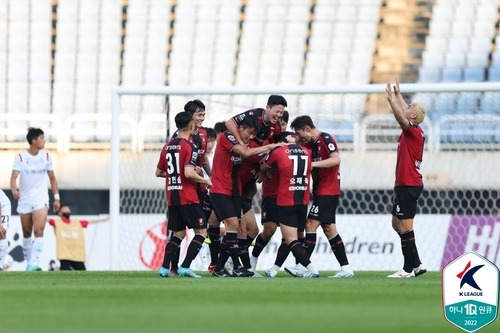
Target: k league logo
pixel 470 292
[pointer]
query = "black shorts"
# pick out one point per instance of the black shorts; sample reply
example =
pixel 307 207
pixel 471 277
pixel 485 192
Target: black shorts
pixel 206 205
pixel 190 216
pixel 246 204
pixel 404 201
pixel 292 216
pixel 324 208
pixel 269 210
pixel 225 206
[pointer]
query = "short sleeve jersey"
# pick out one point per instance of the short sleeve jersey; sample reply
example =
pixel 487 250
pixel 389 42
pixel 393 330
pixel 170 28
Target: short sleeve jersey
pixel 200 141
pixel 175 155
pixel 5 204
pixel 271 184
pixel 249 167
pixel 409 156
pixel 267 132
pixel 326 181
pixel 33 170
pixel 225 169
pixel 294 167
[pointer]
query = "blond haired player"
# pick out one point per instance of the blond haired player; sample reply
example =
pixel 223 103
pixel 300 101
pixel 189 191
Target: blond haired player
pixel 408 185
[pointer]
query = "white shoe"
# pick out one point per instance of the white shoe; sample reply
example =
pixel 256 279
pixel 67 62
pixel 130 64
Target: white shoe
pixel 298 270
pixel 311 274
pixel 253 262
pixel 271 273
pixel 401 275
pixel 343 274
pixel 229 266
pixel 419 270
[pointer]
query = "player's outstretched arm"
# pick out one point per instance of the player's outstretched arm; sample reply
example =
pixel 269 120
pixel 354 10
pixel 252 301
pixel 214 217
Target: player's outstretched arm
pixel 394 102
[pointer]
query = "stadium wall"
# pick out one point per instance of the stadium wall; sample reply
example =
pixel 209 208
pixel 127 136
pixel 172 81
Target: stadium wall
pixel 441 238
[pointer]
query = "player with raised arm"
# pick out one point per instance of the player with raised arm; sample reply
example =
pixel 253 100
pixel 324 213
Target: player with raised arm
pixel 177 164
pixel 326 192
pixel 226 192
pixel 293 164
pixel 408 184
pixel 32 167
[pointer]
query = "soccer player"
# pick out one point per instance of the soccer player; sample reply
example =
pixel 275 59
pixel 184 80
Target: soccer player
pixel 199 138
pixel 5 211
pixel 177 164
pixel 31 166
pixel 294 170
pixel 269 220
pixel 70 239
pixel 408 185
pixel 269 120
pixel 326 192
pixel 226 193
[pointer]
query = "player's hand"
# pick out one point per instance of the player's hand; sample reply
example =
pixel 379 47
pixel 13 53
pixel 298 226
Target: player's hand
pixel 56 206
pixel 199 170
pixel 16 194
pixel 3 232
pixel 397 90
pixel 208 183
pixel 388 92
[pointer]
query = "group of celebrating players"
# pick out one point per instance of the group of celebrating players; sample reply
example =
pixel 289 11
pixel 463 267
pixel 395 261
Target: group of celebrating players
pixel 255 148
pixel 298 169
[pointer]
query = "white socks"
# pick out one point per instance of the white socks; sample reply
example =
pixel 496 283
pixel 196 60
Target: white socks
pixel 27 248
pixel 36 254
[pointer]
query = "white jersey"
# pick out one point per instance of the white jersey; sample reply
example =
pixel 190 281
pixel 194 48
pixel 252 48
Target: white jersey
pixel 5 203
pixel 33 185
pixel 6 210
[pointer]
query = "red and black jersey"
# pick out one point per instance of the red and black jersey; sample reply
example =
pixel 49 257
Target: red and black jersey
pixel 293 163
pixel 249 168
pixel 409 156
pixel 271 184
pixel 200 141
pixel 326 181
pixel 266 132
pixel 175 155
pixel 225 167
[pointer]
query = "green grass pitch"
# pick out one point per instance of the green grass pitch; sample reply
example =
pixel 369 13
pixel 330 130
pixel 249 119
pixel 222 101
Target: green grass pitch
pixel 143 302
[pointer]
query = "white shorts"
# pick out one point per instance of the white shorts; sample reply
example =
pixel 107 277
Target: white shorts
pixel 28 208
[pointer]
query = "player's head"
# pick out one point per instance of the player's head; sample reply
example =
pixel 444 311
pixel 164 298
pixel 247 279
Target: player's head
pixel 197 110
pixel 284 120
pixel 417 113
pixel 64 211
pixel 211 138
pixel 304 128
pixel 184 121
pixel 248 128
pixel 276 104
pixel 220 127
pixel 286 137
pixel 36 137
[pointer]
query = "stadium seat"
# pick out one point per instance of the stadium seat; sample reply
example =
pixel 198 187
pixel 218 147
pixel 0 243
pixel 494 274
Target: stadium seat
pixel 474 74
pixel 429 74
pixel 494 74
pixel 451 74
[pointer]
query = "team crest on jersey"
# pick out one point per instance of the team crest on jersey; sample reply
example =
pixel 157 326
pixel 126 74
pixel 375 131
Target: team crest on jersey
pixel 200 221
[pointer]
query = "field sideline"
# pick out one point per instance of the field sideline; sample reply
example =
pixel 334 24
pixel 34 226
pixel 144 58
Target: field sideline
pixel 142 302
